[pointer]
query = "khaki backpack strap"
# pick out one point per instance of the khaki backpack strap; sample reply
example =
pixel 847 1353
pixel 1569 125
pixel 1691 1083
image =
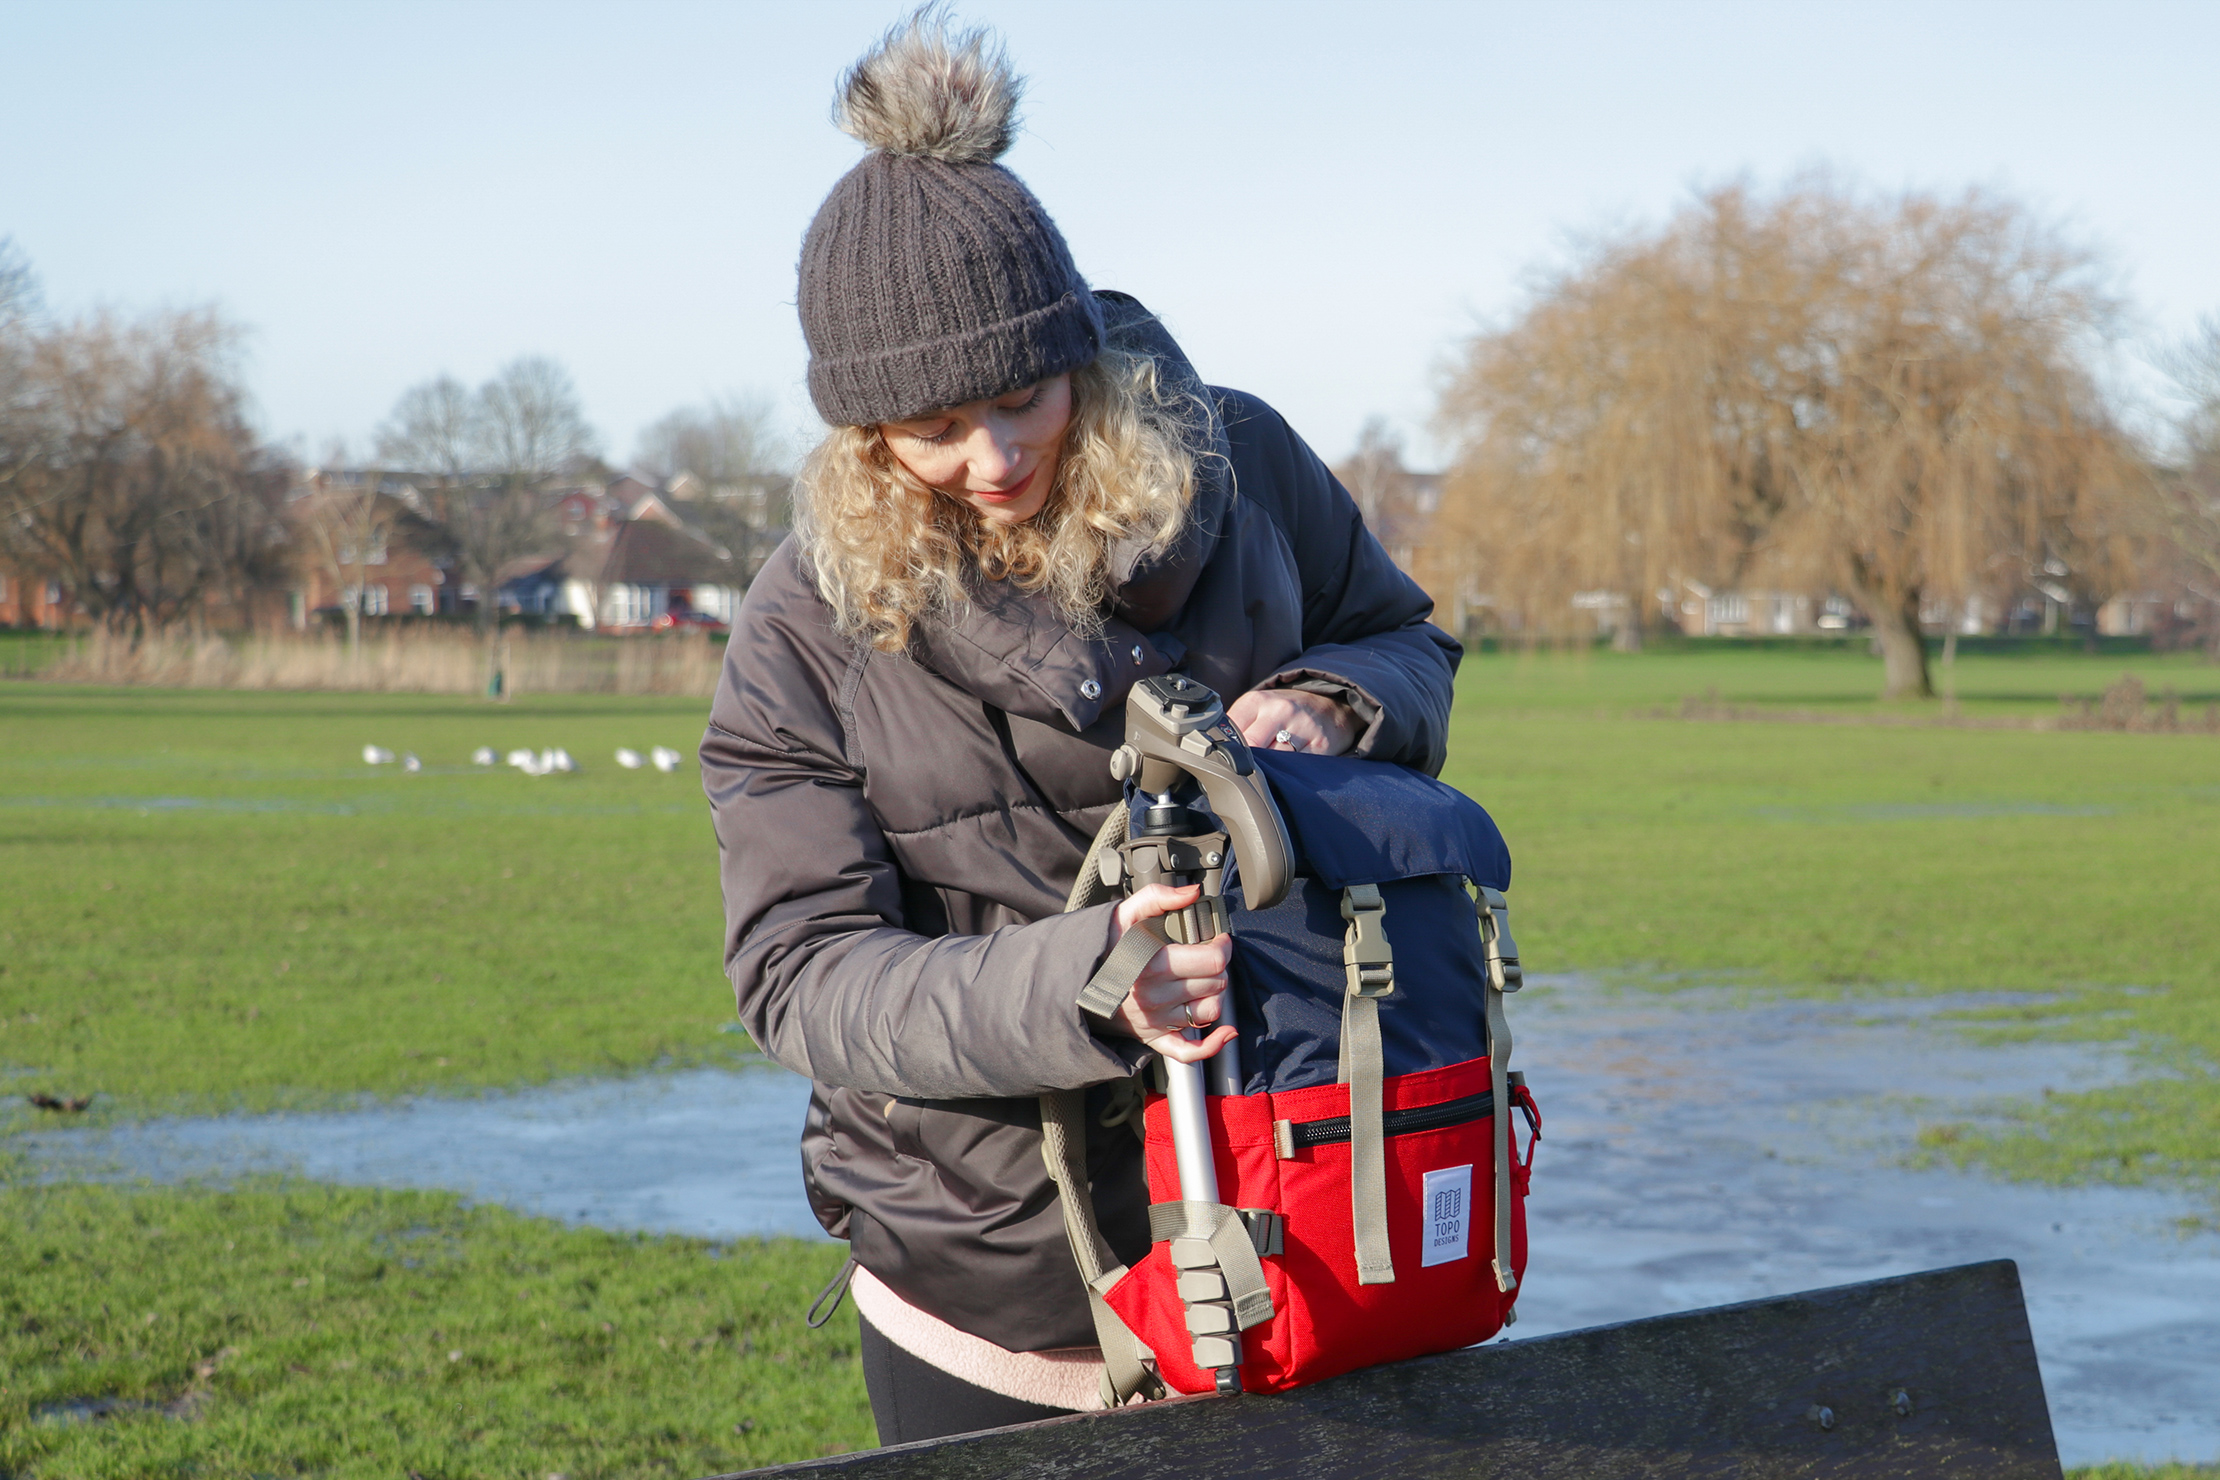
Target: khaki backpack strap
pixel 1125 1369
pixel 1501 956
pixel 1125 1361
pixel 1131 956
pixel 1370 963
pixel 1098 884
pixel 1232 1274
pixel 1171 1220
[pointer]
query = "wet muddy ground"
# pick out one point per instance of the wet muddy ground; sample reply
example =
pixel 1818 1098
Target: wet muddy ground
pixel 1698 1149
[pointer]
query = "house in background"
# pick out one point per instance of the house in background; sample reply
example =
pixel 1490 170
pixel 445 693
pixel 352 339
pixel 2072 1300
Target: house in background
pixel 1701 611
pixel 28 599
pixel 630 563
pixel 392 578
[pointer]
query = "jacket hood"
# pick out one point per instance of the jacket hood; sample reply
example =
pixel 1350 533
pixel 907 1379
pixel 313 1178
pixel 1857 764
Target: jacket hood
pixel 1153 584
pixel 1015 651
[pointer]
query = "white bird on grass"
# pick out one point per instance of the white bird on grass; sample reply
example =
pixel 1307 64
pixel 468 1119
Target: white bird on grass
pixel 558 759
pixel 666 759
pixel 376 755
pixel 410 763
pixel 482 756
pixel 524 761
pixel 628 758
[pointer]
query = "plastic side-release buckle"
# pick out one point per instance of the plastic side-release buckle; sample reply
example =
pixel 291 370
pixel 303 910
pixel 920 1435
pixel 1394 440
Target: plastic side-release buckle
pixel 1500 951
pixel 1365 952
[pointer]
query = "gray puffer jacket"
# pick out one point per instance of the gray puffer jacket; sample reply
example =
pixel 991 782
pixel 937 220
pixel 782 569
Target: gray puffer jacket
pixel 897 836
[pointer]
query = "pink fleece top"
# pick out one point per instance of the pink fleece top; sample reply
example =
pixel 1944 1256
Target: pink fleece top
pixel 1070 1377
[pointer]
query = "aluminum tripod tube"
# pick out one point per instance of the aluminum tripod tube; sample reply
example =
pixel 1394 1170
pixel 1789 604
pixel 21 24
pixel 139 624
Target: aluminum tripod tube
pixel 1222 1069
pixel 1183 1091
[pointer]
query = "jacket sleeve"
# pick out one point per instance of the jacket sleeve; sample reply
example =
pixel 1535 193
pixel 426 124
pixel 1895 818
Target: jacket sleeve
pixel 1366 638
pixel 827 979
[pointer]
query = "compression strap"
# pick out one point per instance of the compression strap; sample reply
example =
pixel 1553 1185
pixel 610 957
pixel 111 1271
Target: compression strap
pixel 1369 962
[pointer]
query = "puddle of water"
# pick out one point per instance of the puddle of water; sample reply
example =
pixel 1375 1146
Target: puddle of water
pixel 1698 1149
pixel 709 1152
pixel 71 1412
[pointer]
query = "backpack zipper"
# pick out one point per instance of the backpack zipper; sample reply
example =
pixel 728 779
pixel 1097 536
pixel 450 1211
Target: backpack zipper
pixel 1290 1135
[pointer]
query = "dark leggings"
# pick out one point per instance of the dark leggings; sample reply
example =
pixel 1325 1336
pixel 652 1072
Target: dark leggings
pixel 911 1399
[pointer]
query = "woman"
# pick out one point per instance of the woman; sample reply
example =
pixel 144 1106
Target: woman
pixel 1026 503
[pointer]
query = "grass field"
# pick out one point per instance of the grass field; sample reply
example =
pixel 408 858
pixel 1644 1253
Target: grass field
pixel 25 651
pixel 213 902
pixel 210 902
pixel 339 1332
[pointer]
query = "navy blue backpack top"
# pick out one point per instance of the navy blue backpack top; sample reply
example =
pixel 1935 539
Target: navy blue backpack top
pixel 1417 839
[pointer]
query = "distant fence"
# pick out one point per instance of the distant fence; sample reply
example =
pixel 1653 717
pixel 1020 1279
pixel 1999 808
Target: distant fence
pixel 419 661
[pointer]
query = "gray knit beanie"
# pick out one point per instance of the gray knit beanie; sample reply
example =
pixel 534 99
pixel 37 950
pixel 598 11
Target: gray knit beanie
pixel 931 276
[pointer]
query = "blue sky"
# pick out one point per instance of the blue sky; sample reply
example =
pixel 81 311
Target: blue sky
pixel 1320 199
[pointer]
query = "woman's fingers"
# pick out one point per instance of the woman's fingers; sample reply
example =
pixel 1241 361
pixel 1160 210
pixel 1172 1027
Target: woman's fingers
pixel 1309 722
pixel 1261 715
pixel 1184 963
pixel 1173 1046
pixel 1182 987
pixel 1155 900
pixel 1181 1002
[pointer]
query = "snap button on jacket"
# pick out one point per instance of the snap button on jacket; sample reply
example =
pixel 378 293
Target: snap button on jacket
pixel 897 835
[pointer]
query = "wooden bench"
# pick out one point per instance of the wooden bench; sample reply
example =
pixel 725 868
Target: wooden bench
pixel 1922 1375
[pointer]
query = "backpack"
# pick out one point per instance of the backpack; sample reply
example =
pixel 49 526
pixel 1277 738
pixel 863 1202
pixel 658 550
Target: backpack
pixel 1371 1202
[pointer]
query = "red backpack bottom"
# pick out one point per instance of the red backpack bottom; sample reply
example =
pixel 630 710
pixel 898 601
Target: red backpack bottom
pixel 1279 1154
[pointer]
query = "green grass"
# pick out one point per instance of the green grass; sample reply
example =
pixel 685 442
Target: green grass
pixel 26 650
pixel 212 901
pixel 1837 681
pixel 306 1330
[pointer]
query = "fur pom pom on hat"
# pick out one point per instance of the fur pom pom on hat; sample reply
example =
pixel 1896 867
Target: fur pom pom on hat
pixel 931 276
pixel 921 91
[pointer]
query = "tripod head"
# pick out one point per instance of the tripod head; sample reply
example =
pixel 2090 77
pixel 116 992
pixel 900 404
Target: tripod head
pixel 1176 727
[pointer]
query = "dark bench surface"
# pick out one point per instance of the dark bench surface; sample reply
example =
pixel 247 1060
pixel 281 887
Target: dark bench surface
pixel 1923 1375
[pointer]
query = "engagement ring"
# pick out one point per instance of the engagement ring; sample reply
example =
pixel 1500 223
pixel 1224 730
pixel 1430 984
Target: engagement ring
pixel 1284 737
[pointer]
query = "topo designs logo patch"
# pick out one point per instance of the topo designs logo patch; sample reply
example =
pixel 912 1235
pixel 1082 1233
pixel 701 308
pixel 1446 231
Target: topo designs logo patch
pixel 1447 1207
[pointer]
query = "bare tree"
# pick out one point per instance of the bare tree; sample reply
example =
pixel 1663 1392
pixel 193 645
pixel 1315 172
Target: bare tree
pixel 2191 500
pixel 124 457
pixel 20 435
pixel 1397 504
pixel 347 522
pixel 250 541
pixel 726 457
pixel 1374 473
pixel 19 291
pixel 433 431
pixel 528 427
pixel 488 457
pixel 485 458
pixel 726 443
pixel 1890 398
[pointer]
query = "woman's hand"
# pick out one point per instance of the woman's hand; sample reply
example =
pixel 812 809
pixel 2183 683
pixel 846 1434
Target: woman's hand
pixel 1311 722
pixel 1181 987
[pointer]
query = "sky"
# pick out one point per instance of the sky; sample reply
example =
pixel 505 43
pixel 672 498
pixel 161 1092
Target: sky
pixel 1322 201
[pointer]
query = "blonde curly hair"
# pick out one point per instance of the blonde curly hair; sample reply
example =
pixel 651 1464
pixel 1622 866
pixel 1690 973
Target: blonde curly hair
pixel 887 549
